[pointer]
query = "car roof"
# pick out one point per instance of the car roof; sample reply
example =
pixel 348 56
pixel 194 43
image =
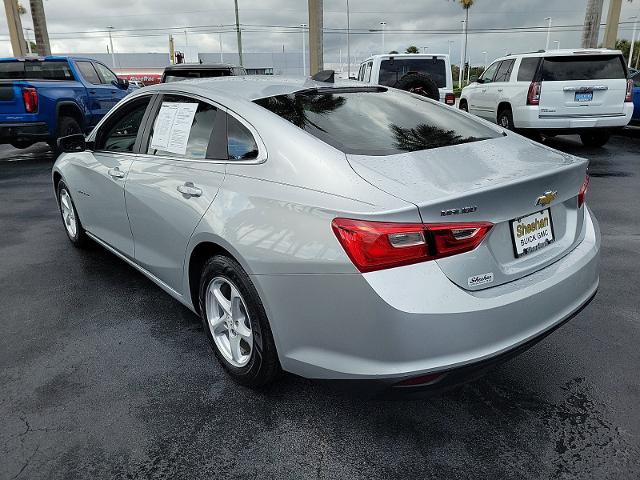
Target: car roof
pixel 405 55
pixel 200 66
pixel 564 53
pixel 250 87
pixel 36 58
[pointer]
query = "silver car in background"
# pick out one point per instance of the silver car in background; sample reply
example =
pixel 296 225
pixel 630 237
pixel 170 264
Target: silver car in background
pixel 336 231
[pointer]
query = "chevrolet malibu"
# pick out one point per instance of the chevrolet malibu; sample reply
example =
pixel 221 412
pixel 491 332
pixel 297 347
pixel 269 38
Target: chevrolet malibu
pixel 336 230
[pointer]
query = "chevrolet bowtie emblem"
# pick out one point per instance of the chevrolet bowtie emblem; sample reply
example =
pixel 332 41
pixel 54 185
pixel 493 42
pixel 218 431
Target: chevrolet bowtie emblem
pixel 547 198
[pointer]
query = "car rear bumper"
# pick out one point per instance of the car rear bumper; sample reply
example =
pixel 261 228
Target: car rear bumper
pixel 409 321
pixel 531 117
pixel 20 132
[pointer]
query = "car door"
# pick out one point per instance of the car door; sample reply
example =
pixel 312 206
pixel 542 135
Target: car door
pixel 101 200
pixel 495 90
pixel 174 180
pixel 478 103
pixel 93 84
pixel 112 93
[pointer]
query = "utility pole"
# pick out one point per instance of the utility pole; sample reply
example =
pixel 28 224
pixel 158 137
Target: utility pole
pixel 591 29
pixel 348 44
pixel 315 36
pixel 113 53
pixel 172 50
pixel 15 28
pixel 220 43
pixel 613 18
pixel 40 27
pixel 462 52
pixel 239 34
pixel 304 51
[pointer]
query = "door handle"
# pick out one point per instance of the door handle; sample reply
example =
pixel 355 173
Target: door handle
pixel 116 172
pixel 189 189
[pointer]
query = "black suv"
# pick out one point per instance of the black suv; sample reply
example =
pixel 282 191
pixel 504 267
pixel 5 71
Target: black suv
pixel 185 71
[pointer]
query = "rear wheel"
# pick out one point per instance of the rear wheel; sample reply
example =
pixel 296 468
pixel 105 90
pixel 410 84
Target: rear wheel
pixel 505 118
pixel 236 324
pixel 70 218
pixel 595 139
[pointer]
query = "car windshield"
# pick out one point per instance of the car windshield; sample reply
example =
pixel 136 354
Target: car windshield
pixel 394 69
pixel 376 122
pixel 583 67
pixel 35 70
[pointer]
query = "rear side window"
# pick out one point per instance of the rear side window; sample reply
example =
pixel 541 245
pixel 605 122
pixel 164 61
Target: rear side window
pixel 583 67
pixel 240 141
pixel 120 131
pixel 35 70
pixel 528 68
pixel 393 70
pixel 504 71
pixel 89 73
pixel 375 122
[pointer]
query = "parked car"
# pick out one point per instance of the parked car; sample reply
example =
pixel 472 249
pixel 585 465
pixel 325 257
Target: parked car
pixel 427 75
pixel 583 92
pixel 312 237
pixel 636 99
pixel 43 98
pixel 185 71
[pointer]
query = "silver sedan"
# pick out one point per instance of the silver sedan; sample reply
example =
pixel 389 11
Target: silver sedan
pixel 336 231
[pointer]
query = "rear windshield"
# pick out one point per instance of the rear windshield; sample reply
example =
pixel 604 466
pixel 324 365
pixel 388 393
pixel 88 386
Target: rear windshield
pixel 35 70
pixel 393 70
pixel 583 67
pixel 177 75
pixel 375 122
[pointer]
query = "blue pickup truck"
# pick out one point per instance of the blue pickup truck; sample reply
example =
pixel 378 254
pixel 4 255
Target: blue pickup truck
pixel 44 98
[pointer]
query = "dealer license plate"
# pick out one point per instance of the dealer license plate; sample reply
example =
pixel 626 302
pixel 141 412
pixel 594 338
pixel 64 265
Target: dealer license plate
pixel 532 232
pixel 584 96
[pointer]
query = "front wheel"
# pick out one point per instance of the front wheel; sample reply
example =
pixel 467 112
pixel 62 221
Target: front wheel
pixel 70 218
pixel 236 323
pixel 595 139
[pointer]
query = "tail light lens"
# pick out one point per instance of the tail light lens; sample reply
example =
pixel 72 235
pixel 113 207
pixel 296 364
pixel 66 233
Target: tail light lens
pixel 583 191
pixel 378 245
pixel 30 98
pixel 629 96
pixel 450 99
pixel 533 95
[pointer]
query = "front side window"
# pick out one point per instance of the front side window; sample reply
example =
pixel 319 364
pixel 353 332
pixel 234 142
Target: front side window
pixel 240 142
pixel 487 75
pixel 394 69
pixel 583 67
pixel 107 76
pixel 504 71
pixel 183 127
pixel 365 121
pixel 89 73
pixel 121 129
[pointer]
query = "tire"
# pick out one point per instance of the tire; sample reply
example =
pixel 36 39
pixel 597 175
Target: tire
pixel 463 106
pixel 419 84
pixel 256 364
pixel 70 218
pixel 505 119
pixel 66 126
pixel 595 139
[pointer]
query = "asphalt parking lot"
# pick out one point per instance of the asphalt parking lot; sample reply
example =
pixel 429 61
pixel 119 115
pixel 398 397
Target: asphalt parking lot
pixel 105 376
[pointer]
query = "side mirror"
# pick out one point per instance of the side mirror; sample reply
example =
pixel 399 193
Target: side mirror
pixel 123 84
pixel 72 143
pixel 476 79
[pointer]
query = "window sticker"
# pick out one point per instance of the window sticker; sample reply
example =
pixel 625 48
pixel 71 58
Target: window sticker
pixel 172 127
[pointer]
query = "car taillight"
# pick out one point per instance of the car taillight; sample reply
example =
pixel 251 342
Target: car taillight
pixel 378 245
pixel 629 96
pixel 30 98
pixel 583 191
pixel 449 99
pixel 533 95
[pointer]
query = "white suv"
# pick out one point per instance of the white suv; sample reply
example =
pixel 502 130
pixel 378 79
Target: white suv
pixel 585 92
pixel 425 74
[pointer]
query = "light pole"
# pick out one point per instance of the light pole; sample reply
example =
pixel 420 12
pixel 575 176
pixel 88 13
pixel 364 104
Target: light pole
pixel 113 54
pixel 304 54
pixel 449 42
pixel 548 32
pixel 557 42
pixel 461 72
pixel 26 29
pixel 484 67
pixel 220 43
pixel 348 44
pixel 383 24
pixel 633 38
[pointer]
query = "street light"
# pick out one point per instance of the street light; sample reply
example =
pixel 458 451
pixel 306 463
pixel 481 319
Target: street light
pixel 220 43
pixel 383 24
pixel 633 38
pixel 304 48
pixel 548 33
pixel 484 67
pixel 557 42
pixel 113 54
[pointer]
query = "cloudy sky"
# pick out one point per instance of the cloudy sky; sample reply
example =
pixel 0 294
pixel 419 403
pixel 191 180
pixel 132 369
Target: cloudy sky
pixel 143 25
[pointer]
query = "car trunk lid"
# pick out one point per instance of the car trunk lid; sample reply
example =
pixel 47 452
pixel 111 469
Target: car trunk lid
pixel 497 180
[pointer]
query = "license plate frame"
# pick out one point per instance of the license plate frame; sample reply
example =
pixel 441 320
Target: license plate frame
pixel 583 96
pixel 546 237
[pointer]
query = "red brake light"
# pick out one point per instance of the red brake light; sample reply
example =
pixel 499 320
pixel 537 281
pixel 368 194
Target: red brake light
pixel 378 245
pixel 629 96
pixel 449 99
pixel 533 95
pixel 30 98
pixel 583 191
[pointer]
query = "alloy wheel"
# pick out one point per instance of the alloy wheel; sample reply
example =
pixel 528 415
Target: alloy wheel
pixel 68 213
pixel 229 321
